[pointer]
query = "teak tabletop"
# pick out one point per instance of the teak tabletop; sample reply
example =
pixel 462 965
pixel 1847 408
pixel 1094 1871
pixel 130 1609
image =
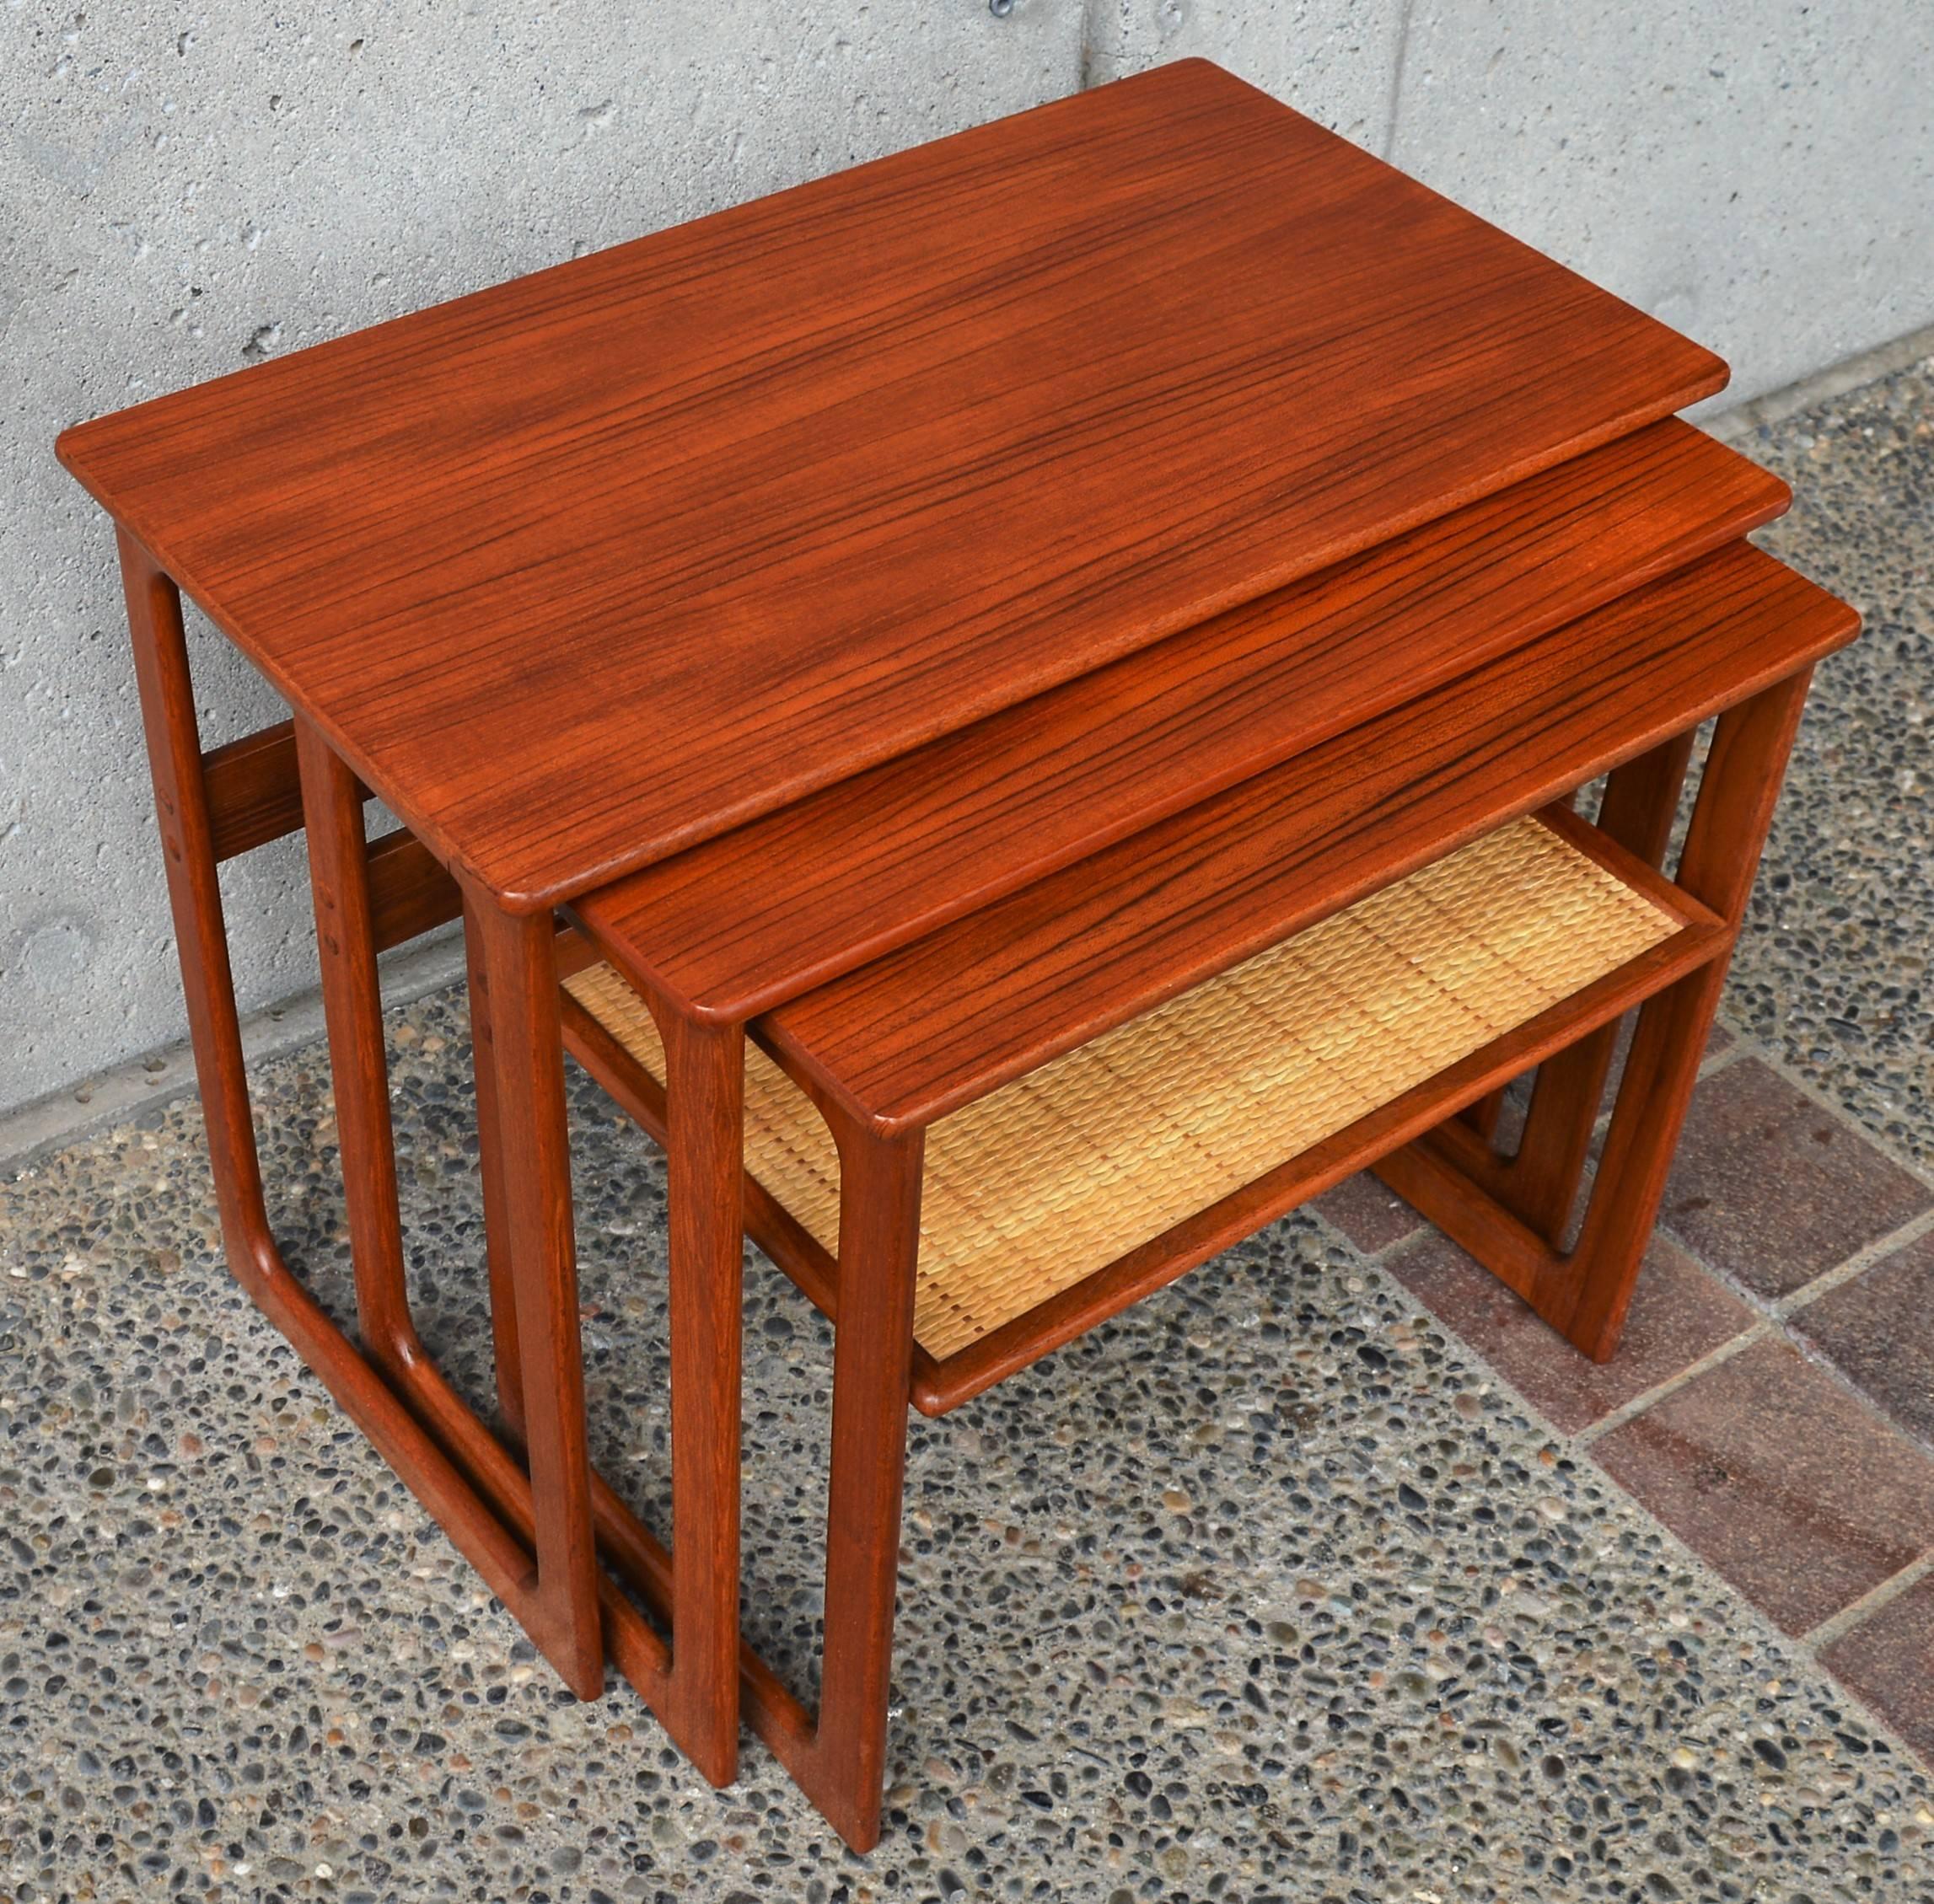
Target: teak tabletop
pixel 588 566
pixel 938 653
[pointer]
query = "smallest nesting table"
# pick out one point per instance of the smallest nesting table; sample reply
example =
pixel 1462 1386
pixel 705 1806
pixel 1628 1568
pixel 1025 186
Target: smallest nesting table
pixel 1022 735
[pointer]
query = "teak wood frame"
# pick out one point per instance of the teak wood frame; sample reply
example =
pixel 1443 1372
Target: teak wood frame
pixel 1434 1143
pixel 534 1547
pixel 538 1547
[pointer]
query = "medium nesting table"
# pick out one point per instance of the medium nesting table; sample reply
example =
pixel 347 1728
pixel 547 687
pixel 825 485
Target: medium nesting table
pixel 1021 732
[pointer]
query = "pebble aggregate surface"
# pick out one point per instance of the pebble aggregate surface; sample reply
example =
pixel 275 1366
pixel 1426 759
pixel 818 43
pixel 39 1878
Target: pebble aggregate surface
pixel 1832 972
pixel 1264 1591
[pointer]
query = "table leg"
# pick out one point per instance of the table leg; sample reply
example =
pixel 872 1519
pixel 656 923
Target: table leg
pixel 839 1758
pixel 1585 1292
pixel 564 1618
pixel 696 1684
pixel 873 1364
pixel 1737 796
pixel 353 1011
pixel 1538 1183
pixel 1483 1115
pixel 392 1389
pixel 525 1058
pixel 195 900
pixel 705 1079
pixel 496 1219
pixel 1641 801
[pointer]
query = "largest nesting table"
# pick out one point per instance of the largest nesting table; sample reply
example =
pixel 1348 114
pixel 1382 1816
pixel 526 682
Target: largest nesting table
pixel 1023 733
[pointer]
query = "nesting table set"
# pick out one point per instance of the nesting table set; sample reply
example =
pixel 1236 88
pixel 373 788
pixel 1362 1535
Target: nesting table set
pixel 1018 707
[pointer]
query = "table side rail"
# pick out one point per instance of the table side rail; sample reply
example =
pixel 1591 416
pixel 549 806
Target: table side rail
pixel 1164 1259
pixel 254 796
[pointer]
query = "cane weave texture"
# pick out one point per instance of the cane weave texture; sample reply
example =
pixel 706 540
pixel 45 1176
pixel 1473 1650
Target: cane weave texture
pixel 1056 1175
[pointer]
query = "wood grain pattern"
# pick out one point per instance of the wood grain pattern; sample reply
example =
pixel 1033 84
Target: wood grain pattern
pixel 579 570
pixel 744 922
pixel 943 1021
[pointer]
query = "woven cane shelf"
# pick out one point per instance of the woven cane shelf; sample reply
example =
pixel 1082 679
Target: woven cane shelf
pixel 1034 1188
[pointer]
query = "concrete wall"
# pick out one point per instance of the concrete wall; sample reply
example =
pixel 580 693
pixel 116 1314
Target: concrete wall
pixel 184 186
pixel 182 190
